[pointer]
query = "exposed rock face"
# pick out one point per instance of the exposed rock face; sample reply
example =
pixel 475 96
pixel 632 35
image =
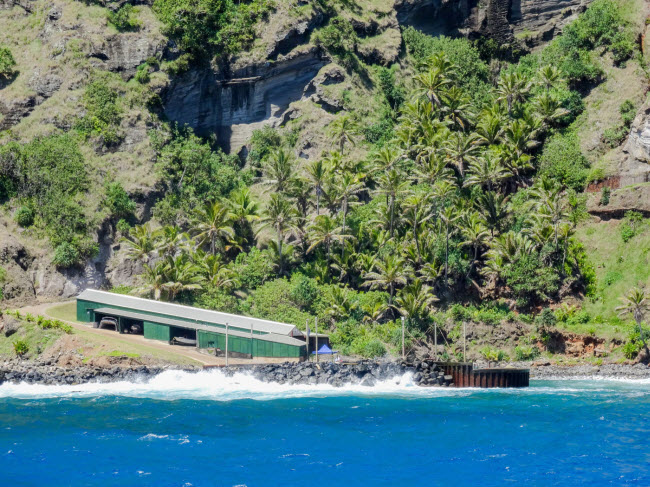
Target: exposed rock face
pixel 233 106
pixel 15 259
pixel 635 168
pixel 543 16
pixel 10 325
pixel 634 197
pixel 497 18
pixel 123 53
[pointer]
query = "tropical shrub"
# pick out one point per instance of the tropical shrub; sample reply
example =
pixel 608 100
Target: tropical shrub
pixel 24 216
pixel 7 63
pixel 21 347
pixel 124 19
pixel 526 352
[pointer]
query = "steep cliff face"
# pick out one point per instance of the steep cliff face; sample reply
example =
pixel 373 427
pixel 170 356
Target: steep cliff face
pixel 232 101
pixel 234 105
pixel 501 19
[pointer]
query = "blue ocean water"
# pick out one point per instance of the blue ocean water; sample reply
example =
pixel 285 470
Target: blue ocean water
pixel 206 429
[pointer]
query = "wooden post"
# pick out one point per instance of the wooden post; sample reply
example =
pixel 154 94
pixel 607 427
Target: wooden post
pixel 226 344
pixel 251 341
pixel 403 349
pixel 464 341
pixel 307 341
pixel 316 339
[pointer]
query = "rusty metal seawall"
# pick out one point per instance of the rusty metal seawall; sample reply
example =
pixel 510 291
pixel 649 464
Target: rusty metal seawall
pixel 464 375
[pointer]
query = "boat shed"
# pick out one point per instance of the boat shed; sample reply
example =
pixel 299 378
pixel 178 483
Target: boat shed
pixel 247 337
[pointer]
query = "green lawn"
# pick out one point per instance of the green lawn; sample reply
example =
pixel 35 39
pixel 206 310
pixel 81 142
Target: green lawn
pixel 65 312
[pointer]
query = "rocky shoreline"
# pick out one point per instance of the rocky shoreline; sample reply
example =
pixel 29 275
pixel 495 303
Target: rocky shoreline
pixel 366 373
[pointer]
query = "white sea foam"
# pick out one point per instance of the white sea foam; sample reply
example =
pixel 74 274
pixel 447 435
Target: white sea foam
pixel 216 386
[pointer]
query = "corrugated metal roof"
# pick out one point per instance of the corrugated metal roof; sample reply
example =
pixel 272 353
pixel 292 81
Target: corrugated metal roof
pixel 188 312
pixel 269 337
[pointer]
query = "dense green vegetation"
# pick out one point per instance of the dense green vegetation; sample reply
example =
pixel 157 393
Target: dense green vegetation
pixel 208 27
pixel 451 190
pixel 469 190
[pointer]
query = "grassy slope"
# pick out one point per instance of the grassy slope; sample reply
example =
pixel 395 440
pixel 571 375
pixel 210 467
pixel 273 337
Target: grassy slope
pixel 619 266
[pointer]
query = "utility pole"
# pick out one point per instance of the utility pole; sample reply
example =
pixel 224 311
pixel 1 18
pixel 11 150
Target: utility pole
pixel 251 341
pixel 307 341
pixel 226 344
pixel 403 348
pixel 316 339
pixel 464 341
pixel 435 339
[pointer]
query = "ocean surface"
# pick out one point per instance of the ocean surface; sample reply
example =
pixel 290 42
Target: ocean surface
pixel 206 429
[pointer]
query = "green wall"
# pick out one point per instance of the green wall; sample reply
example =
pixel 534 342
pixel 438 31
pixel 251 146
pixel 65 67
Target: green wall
pixel 155 331
pixel 261 348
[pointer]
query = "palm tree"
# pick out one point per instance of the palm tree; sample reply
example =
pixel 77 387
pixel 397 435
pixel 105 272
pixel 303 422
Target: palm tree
pixel 415 300
pixel 348 187
pixel 635 302
pixel 300 190
pixel 486 171
pixel 318 172
pixel 279 169
pixel 457 108
pixel 340 305
pixel 493 208
pixel 461 150
pixel 433 168
pixel 244 211
pixel 513 88
pixel 549 109
pixel 418 211
pixel 282 255
pixel 324 231
pixel 385 158
pixel 182 275
pixel 433 84
pixel 213 224
pixel 490 128
pixel 343 131
pixel 281 217
pixel 154 279
pixel 448 216
pixel 169 240
pixel 393 185
pixel 475 233
pixel 213 270
pixel 549 77
pixel 389 273
pixel 140 243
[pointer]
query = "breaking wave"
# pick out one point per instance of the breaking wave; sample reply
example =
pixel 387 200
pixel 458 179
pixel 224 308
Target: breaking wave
pixel 214 385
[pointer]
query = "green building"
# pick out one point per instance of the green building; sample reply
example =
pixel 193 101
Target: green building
pixel 156 320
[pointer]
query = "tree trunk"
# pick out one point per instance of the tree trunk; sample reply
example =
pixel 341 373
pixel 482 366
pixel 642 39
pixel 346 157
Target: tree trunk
pixel 417 240
pixel 446 254
pixel 392 214
pixel 280 256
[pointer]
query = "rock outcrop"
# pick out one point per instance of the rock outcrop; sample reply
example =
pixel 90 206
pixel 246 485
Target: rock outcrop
pixel 232 105
pixel 501 19
pixel 635 167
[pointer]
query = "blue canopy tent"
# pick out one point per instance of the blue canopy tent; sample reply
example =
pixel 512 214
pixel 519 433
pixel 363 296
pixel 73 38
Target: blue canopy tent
pixel 325 350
